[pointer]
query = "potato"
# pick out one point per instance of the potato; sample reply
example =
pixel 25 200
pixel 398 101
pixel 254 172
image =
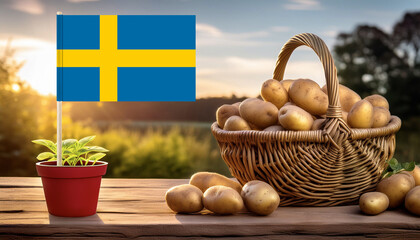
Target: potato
pixel 237 104
pixel 295 118
pixel 224 112
pixel 317 124
pixel 410 177
pixel 289 103
pixel 361 115
pixel 396 187
pixel 286 84
pixel 347 96
pixel 345 116
pixel 307 94
pixel 236 123
pixel 259 113
pixel 254 127
pixel 381 117
pixel 222 200
pixel 373 203
pixel 412 200
pixel 416 175
pixel 205 180
pixel 274 128
pixel 184 198
pixel 260 198
pixel 377 101
pixel 272 91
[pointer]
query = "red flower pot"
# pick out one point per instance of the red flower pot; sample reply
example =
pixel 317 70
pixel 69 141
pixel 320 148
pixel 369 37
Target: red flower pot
pixel 71 191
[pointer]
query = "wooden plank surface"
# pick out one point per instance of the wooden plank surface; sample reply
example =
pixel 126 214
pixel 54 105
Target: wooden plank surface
pixel 135 208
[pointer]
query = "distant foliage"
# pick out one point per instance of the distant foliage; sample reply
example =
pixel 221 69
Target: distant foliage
pixel 20 110
pixel 370 60
pixel 155 153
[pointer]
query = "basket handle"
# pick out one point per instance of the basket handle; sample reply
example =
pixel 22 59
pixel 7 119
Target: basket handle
pixel 316 43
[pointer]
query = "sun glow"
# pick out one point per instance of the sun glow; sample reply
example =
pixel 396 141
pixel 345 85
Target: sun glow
pixel 15 87
pixel 39 62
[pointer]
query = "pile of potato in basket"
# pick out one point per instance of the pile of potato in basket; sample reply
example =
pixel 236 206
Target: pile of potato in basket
pixel 300 105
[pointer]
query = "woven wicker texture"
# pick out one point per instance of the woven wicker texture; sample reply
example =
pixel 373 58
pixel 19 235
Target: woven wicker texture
pixel 328 167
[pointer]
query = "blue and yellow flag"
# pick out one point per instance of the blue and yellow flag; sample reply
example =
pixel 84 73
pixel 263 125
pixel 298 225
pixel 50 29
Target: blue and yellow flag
pixel 125 58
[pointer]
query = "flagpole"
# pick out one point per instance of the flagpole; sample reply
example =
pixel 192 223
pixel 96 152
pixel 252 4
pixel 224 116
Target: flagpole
pixel 59 122
pixel 59 132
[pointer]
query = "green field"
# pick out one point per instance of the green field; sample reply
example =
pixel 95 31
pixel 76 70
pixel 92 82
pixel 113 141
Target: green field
pixel 156 149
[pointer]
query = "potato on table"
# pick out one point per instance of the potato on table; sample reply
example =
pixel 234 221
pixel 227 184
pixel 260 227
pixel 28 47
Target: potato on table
pixel 373 203
pixel 412 201
pixel 416 175
pixel 205 180
pixel 184 198
pixel 260 198
pixel 222 200
pixel 396 187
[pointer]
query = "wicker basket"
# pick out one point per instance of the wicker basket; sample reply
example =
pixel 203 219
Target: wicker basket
pixel 328 167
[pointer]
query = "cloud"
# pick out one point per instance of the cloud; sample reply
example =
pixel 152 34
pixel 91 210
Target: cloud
pixel 302 5
pixel 210 88
pixel 262 65
pixel 330 33
pixel 34 7
pixel 224 76
pixel 280 29
pixel 208 30
pixel 79 1
pixel 23 43
pixel 209 35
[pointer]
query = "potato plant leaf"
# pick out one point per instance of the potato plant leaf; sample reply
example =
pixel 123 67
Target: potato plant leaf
pixel 395 167
pixel 97 149
pixel 95 157
pixel 85 140
pixel 409 166
pixel 45 155
pixel 73 151
pixel 393 163
pixel 68 143
pixel 47 143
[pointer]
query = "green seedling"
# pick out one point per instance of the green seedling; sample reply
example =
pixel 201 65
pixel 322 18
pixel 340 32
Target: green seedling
pixel 73 151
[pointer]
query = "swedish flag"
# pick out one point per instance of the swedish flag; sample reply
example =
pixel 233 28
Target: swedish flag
pixel 126 58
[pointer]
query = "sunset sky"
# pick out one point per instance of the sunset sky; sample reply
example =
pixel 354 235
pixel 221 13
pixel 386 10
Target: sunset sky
pixel 237 41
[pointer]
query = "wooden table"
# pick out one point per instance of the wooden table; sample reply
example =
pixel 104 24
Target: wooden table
pixel 135 208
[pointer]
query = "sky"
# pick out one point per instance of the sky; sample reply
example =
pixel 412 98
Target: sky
pixel 238 41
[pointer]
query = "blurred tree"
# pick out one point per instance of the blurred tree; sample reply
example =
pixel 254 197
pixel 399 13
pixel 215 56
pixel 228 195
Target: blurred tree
pixel 407 33
pixel 18 125
pixel 369 61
